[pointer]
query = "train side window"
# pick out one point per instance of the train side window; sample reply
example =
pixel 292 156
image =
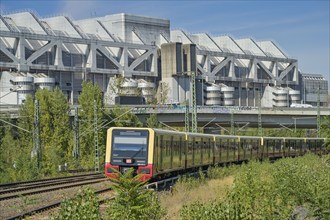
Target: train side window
pixel 180 151
pixel 167 156
pixel 217 150
pixel 172 149
pixel 209 149
pixel 202 149
pixel 193 150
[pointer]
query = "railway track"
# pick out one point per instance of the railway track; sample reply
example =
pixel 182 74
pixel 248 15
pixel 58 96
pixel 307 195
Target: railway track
pixel 25 189
pixel 20 199
pixel 52 206
pixel 39 210
pixel 43 181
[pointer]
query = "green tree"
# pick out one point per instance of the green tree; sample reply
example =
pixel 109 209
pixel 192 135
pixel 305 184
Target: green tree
pixel 90 96
pixel 152 121
pixel 153 99
pixel 54 129
pixel 26 121
pixel 25 165
pixel 117 88
pixel 8 155
pixel 162 93
pixel 133 200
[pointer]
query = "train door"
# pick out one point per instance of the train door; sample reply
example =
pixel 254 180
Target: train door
pixel 244 149
pixel 277 148
pixel 284 148
pixel 166 151
pixel 222 149
pixel 225 148
pixel 190 151
pixel 217 151
pixel 304 147
pixel 176 152
pixel 312 146
pixel 198 151
pixel 255 149
pixel 269 146
pixel 209 147
pixel 248 149
pixel 156 152
pixel 159 152
pixel 291 147
pixel 232 150
pixel 300 146
pixel 206 150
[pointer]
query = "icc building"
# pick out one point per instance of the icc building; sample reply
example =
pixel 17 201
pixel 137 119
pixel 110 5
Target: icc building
pixel 135 55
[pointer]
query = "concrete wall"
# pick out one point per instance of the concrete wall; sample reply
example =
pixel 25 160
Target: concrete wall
pixel 171 59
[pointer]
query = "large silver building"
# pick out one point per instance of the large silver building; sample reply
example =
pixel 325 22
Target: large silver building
pixel 128 55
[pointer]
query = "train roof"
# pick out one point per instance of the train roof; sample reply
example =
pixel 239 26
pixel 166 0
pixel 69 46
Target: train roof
pixel 182 133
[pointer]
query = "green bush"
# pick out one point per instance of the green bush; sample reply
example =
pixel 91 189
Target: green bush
pixel 221 172
pixel 272 191
pixel 83 206
pixel 133 201
pixel 186 183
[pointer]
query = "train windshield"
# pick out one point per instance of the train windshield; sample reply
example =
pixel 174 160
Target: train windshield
pixel 129 147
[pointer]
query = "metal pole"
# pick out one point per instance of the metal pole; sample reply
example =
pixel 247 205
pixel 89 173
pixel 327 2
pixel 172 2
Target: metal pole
pixel 76 134
pixel 259 115
pixel 232 125
pixel 186 117
pixel 194 105
pixel 36 139
pixel 96 140
pixel 318 113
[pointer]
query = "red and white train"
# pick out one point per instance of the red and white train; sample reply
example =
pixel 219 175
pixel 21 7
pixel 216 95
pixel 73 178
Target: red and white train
pixel 154 153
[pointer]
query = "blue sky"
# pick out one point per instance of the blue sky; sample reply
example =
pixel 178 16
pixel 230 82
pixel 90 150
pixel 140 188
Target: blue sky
pixel 300 28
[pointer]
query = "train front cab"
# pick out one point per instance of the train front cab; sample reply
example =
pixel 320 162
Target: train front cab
pixel 129 148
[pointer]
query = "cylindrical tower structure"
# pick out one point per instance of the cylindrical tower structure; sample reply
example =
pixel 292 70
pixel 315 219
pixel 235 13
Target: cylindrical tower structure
pixel 228 95
pixel 280 97
pixel 24 86
pixel 129 87
pixel 44 83
pixel 147 89
pixel 212 94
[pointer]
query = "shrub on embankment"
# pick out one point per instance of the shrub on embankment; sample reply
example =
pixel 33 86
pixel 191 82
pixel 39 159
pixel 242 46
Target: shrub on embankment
pixel 283 190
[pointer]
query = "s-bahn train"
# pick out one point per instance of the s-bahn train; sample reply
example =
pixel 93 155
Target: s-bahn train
pixel 154 153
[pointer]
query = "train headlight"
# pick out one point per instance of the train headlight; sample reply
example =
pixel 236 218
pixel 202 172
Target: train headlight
pixel 128 161
pixel 144 170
